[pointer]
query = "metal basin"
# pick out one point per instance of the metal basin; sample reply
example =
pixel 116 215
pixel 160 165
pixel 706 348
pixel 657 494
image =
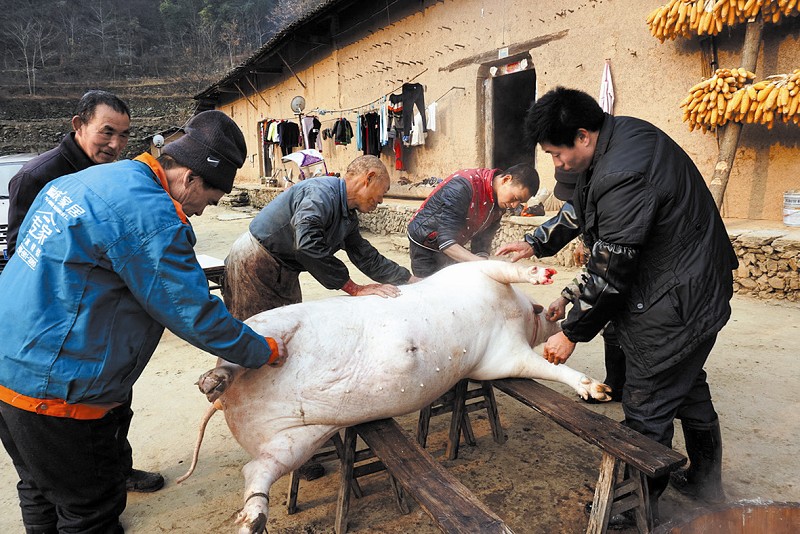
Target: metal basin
pixel 743 517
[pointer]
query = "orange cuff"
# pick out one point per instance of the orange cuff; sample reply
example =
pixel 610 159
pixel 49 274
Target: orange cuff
pixel 273 347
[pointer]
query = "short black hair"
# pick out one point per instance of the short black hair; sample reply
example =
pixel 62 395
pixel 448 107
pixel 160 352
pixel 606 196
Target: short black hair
pixel 91 99
pixel 525 175
pixel 559 114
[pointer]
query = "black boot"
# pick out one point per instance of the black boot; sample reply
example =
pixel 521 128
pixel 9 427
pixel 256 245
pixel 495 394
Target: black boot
pixel 615 370
pixel 703 479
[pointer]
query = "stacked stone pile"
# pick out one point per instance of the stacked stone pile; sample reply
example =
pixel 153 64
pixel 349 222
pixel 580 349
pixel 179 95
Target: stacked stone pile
pixel 768 264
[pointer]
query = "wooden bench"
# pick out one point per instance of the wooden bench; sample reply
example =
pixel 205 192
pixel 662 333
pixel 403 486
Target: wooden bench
pixel 451 505
pixel 618 489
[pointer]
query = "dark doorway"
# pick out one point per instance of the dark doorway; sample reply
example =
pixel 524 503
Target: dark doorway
pixel 511 96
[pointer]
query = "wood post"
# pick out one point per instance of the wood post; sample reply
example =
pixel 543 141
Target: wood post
pixel 729 140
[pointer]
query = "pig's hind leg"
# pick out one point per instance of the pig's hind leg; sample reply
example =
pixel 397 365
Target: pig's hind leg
pixel 283 453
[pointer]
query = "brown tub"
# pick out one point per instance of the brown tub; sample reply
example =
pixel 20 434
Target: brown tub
pixel 743 517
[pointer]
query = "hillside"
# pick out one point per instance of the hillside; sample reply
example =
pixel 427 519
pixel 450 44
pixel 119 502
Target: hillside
pixel 155 54
pixel 37 123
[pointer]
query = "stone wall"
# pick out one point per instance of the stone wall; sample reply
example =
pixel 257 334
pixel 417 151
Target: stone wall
pixel 769 260
pixel 768 263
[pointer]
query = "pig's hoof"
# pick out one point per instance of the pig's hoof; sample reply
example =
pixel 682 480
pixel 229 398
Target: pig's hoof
pixel 213 383
pixel 253 517
pixel 256 526
pixel 593 390
pixel 540 275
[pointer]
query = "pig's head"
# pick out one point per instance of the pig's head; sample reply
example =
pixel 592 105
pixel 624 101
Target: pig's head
pixel 542 328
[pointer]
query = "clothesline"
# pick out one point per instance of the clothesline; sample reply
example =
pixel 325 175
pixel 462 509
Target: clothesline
pixel 357 108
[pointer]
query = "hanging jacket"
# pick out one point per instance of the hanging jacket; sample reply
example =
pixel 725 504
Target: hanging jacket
pixel 342 132
pixel 461 208
pixel 105 262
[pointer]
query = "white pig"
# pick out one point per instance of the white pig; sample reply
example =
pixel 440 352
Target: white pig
pixel 357 359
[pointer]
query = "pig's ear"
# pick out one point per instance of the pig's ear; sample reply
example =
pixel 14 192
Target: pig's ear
pixel 538 308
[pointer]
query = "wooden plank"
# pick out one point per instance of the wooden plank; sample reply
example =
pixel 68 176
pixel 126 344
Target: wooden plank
pixel 640 452
pixel 450 504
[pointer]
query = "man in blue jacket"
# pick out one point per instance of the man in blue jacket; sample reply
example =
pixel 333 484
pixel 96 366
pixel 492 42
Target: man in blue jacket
pixel 660 269
pixel 104 263
pixel 101 129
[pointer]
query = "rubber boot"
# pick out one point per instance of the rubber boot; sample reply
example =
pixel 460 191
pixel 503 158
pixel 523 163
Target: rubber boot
pixel 615 370
pixel 703 478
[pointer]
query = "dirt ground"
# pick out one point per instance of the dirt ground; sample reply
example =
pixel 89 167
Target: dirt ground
pixel 538 481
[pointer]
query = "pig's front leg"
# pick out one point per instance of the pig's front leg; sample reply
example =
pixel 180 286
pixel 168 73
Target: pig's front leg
pixel 526 363
pixel 214 382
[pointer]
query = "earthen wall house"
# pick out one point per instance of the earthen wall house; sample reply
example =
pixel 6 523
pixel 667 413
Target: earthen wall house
pixel 347 54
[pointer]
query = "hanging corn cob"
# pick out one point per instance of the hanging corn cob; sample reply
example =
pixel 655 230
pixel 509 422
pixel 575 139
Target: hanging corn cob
pixel 688 18
pixel 731 95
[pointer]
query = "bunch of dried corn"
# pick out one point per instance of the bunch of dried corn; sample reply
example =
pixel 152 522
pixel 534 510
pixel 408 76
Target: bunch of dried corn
pixel 730 95
pixel 688 18
pixel 707 103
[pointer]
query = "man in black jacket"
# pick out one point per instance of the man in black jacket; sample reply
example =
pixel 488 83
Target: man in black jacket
pixel 660 268
pixel 101 127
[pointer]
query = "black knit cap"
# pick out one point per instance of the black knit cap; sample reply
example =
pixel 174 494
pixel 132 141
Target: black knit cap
pixel 213 147
pixel 565 184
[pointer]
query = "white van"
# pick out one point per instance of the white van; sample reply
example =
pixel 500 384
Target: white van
pixel 9 166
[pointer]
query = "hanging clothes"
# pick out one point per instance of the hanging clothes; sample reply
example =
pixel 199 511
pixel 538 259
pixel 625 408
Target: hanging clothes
pixel 311 126
pixel 417 137
pixel 266 147
pixel 432 117
pixel 342 132
pixel 370 134
pixel 359 134
pixel 398 154
pixel 413 94
pixel 384 123
pixel 607 90
pixel 289 134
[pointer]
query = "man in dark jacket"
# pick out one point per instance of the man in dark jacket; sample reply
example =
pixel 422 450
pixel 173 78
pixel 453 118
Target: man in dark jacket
pixel 301 230
pixel 101 127
pixel 466 207
pixel 660 268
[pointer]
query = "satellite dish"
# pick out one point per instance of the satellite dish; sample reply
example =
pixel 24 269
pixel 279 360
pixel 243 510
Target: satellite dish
pixel 298 104
pixel 158 140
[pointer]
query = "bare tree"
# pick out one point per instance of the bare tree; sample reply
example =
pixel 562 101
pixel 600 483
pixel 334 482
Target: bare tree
pixel 103 25
pixel 32 38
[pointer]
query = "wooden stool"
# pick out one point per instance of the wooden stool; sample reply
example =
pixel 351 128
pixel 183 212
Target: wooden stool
pixel 333 449
pixel 456 402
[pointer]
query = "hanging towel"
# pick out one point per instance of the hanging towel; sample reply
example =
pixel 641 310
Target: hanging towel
pixel 432 117
pixel 607 90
